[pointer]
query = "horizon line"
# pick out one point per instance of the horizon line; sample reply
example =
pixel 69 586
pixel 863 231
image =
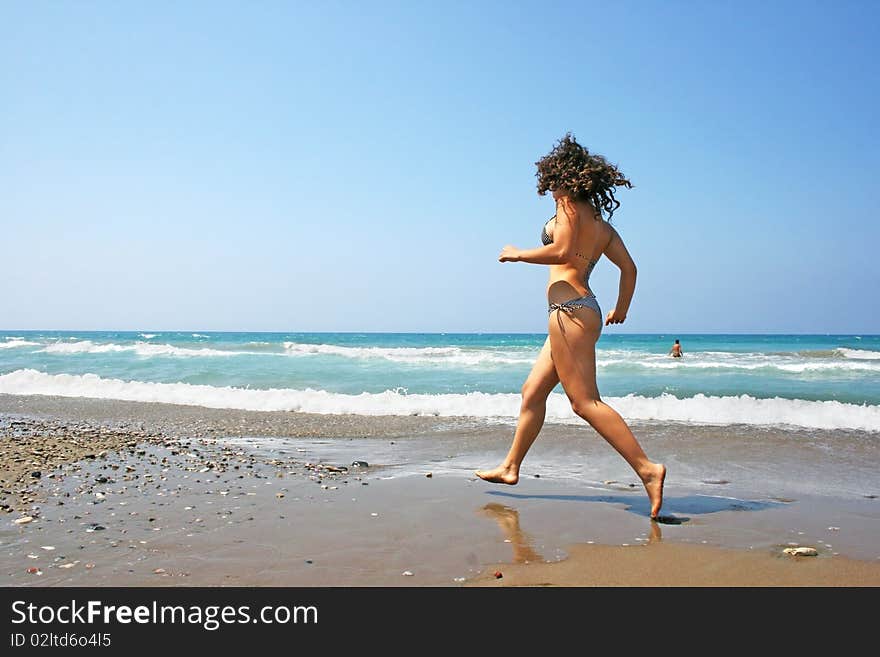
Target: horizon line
pixel 434 332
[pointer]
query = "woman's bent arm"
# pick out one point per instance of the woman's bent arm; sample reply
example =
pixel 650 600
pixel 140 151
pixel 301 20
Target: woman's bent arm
pixel 616 252
pixel 543 255
pixel 561 251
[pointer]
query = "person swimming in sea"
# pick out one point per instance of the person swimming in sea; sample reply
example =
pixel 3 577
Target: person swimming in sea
pixel 676 350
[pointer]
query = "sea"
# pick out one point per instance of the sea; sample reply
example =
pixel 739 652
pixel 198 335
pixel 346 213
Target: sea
pixel 776 415
pixel 786 381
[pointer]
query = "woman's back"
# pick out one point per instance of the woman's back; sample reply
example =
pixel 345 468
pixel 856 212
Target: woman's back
pixel 591 239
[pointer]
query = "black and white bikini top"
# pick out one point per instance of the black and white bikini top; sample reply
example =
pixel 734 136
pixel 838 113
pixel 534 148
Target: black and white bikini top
pixel 546 239
pixel 545 236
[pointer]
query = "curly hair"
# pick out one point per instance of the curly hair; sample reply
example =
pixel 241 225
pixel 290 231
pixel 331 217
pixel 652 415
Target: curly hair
pixel 586 176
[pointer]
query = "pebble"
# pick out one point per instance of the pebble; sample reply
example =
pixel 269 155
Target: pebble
pixel 801 551
pixel 84 485
pixel 458 579
pixel 407 573
pixel 834 529
pixel 498 574
pixel 34 571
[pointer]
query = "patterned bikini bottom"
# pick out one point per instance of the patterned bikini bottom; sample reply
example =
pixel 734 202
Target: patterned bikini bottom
pixel 586 301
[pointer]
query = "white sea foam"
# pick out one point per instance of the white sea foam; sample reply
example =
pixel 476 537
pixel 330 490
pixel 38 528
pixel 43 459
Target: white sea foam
pixel 768 364
pixel 700 409
pixel 862 354
pixel 138 348
pixel 143 349
pixel 745 409
pixel 200 335
pixel 831 361
pixel 839 361
pixel 14 343
pixel 606 358
pixel 148 336
pixel 416 355
pixel 82 347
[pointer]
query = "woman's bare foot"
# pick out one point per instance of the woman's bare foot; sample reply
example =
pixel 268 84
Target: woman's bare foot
pixel 654 486
pixel 503 474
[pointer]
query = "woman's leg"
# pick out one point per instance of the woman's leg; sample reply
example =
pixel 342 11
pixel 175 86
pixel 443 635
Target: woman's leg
pixel 573 339
pixel 538 386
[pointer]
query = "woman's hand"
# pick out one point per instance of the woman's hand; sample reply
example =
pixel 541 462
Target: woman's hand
pixel 614 317
pixel 509 254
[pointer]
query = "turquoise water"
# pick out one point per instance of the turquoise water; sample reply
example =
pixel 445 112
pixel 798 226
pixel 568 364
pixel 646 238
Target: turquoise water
pixel 817 381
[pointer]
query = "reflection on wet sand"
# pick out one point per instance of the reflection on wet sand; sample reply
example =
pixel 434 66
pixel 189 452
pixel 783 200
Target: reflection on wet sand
pixel 508 520
pixel 656 535
pixel 523 552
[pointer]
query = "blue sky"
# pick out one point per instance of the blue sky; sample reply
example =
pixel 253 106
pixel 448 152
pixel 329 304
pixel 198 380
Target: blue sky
pixel 349 166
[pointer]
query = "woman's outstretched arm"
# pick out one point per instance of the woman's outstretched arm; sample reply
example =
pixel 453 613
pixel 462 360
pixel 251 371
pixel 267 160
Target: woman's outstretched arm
pixel 616 252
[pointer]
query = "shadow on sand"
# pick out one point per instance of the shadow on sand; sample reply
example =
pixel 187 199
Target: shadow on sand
pixel 673 506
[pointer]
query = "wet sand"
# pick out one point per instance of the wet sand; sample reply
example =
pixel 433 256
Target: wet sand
pixel 666 564
pixel 154 494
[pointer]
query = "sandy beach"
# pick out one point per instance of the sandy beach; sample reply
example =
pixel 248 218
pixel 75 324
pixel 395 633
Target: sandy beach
pixel 137 494
pixel 281 277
